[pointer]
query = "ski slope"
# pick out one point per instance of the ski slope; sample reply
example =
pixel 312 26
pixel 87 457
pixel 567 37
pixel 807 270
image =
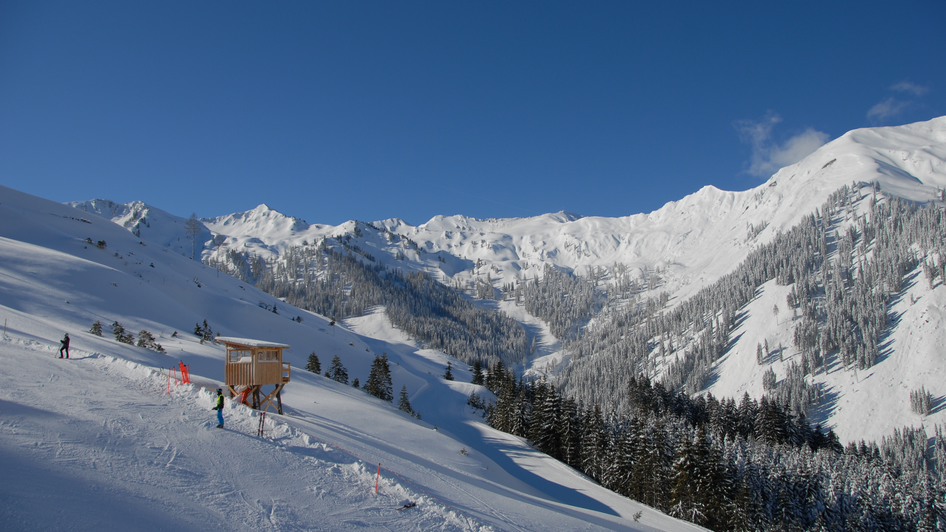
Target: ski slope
pixel 103 441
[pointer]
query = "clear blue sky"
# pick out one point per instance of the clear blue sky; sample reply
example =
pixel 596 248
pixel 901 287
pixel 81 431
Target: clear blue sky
pixel 331 111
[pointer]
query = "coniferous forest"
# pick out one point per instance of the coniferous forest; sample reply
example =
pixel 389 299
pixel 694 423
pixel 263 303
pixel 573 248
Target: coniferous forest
pixel 746 466
pixel 843 267
pixel 629 410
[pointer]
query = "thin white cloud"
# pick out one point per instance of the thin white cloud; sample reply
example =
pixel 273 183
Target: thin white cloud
pixel 892 106
pixel 910 88
pixel 768 157
pixel 888 108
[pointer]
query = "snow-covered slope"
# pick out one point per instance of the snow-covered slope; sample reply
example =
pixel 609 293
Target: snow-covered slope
pixel 97 442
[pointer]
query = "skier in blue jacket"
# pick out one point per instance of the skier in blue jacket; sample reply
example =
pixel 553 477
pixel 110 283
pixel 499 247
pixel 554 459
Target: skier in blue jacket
pixel 218 406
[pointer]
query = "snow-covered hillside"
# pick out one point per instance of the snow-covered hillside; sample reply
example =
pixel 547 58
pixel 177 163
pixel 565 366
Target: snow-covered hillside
pixel 97 442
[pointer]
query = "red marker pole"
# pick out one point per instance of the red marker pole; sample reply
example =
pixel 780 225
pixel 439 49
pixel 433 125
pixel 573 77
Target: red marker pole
pixel 377 479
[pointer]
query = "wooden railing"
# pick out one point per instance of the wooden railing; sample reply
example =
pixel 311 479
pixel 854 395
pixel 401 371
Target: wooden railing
pixel 239 374
pixel 250 374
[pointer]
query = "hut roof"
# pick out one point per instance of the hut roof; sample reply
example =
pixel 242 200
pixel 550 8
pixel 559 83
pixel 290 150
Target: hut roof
pixel 249 342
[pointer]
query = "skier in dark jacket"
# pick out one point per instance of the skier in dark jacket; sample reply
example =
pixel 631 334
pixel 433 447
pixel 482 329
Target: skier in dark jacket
pixel 64 345
pixel 218 406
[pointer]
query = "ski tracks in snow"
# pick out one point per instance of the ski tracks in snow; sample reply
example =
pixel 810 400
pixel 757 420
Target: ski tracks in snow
pixel 105 433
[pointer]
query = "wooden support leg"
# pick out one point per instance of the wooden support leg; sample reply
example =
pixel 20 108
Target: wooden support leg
pixel 274 395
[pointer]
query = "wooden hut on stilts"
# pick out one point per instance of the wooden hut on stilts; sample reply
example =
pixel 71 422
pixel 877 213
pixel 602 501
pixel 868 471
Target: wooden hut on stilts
pixel 251 365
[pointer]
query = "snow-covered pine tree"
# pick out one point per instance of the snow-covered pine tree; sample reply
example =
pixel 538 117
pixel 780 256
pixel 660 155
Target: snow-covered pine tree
pixel 546 419
pixel 921 401
pixel 768 380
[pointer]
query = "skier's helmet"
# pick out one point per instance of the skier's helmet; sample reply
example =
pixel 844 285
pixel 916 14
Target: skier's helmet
pixel 219 391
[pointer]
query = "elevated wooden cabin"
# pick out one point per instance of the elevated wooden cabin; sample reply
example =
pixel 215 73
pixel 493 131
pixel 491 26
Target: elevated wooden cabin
pixel 252 364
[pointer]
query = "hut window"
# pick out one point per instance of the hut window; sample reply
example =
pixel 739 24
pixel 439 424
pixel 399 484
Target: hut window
pixel 240 355
pixel 269 355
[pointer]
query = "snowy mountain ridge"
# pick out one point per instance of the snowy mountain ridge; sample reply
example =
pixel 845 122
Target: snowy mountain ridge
pixel 691 241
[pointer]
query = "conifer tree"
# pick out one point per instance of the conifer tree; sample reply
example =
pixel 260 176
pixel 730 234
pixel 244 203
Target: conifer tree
pixel 146 340
pixel 207 334
pixel 96 328
pixel 546 419
pixel 448 375
pixel 312 364
pixel 118 330
pixel 477 370
pixel 121 335
pixel 337 371
pixel 379 379
pixel 593 443
pixel 570 433
pixel 404 403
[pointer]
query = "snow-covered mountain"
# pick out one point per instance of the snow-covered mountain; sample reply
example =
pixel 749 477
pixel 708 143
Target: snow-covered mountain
pixel 691 241
pixel 679 249
pixel 108 440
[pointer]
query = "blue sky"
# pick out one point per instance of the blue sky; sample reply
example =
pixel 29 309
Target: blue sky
pixel 331 111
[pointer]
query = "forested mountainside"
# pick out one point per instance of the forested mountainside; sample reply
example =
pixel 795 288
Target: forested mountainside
pixel 843 264
pixel 727 466
pixel 336 284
